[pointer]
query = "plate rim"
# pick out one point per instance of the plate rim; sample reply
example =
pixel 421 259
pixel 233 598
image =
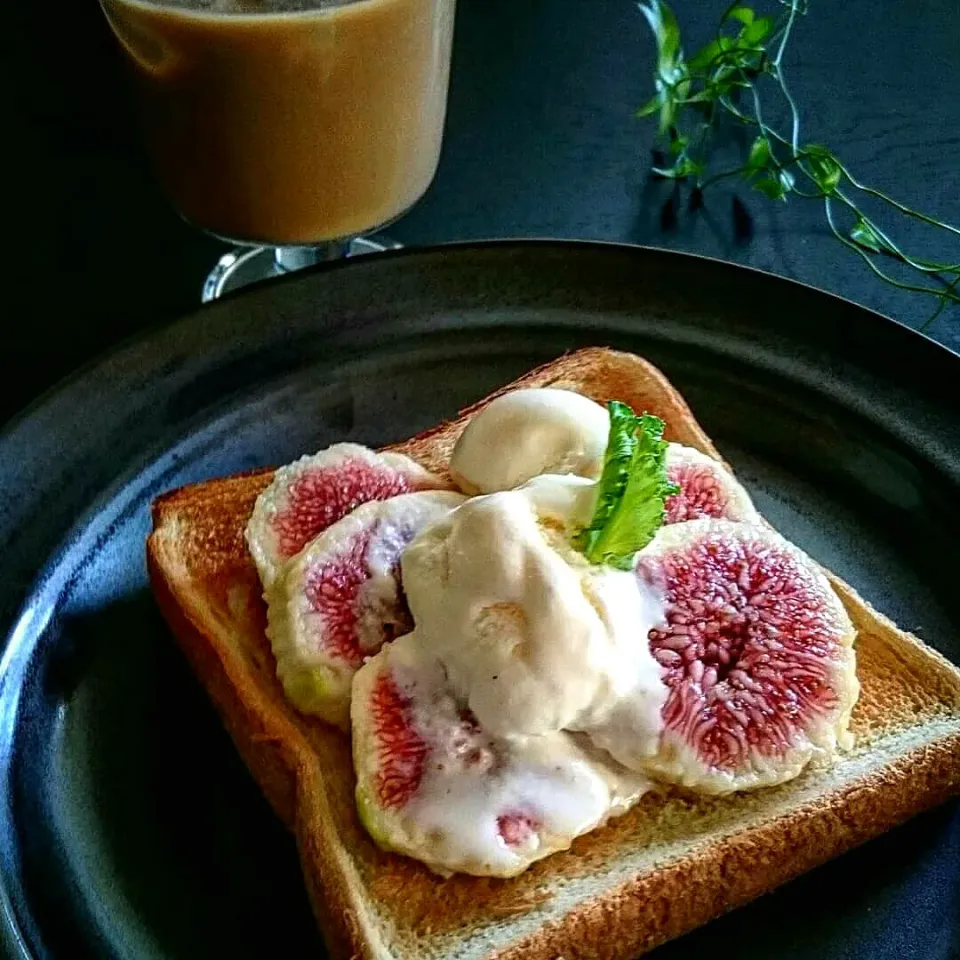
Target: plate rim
pixel 181 321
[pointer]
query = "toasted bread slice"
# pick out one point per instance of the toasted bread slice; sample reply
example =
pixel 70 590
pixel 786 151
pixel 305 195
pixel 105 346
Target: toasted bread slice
pixel 670 864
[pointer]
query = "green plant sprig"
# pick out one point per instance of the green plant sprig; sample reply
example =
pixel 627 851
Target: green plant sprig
pixel 693 95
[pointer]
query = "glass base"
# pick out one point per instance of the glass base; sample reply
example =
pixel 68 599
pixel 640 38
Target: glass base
pixel 248 265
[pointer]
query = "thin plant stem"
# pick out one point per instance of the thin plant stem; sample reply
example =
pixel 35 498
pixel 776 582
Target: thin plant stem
pixel 735 64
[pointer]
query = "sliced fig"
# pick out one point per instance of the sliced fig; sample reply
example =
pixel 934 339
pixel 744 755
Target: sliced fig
pixel 432 784
pixel 707 489
pixel 757 655
pixel 340 599
pixel 316 491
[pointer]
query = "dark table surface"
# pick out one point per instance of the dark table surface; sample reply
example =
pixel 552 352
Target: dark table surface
pixel 540 141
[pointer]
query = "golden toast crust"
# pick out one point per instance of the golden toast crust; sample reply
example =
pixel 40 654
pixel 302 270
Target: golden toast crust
pixel 649 876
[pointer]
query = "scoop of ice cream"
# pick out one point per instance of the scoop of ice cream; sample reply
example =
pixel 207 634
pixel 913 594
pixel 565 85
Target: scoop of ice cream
pixel 533 637
pixel 526 433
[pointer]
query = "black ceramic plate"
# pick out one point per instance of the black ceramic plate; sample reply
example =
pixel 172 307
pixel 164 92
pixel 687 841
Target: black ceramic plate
pixel 128 827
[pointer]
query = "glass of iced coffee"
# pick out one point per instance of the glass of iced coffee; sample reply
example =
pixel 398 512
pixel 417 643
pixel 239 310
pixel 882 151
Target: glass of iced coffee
pixel 291 128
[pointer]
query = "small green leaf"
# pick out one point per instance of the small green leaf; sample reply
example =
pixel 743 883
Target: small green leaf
pixel 823 167
pixel 704 56
pixel 666 33
pixel 631 491
pixel 744 14
pixel 683 168
pixel 663 101
pixel 678 141
pixel 759 156
pixel 622 445
pixel 771 187
pixel 668 111
pixel 776 183
pixel 865 235
pixel 709 53
pixel 702 98
pixel 755 33
pixel 650 107
pixel 671 70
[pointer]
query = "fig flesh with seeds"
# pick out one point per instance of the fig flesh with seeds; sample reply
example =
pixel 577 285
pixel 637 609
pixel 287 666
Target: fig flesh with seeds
pixel 340 599
pixel 707 489
pixel 757 655
pixel 314 492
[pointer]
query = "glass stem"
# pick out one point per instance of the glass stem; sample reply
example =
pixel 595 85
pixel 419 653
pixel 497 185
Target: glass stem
pixel 289 259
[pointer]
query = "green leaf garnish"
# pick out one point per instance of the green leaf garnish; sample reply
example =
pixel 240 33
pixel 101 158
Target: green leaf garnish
pixel 631 491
